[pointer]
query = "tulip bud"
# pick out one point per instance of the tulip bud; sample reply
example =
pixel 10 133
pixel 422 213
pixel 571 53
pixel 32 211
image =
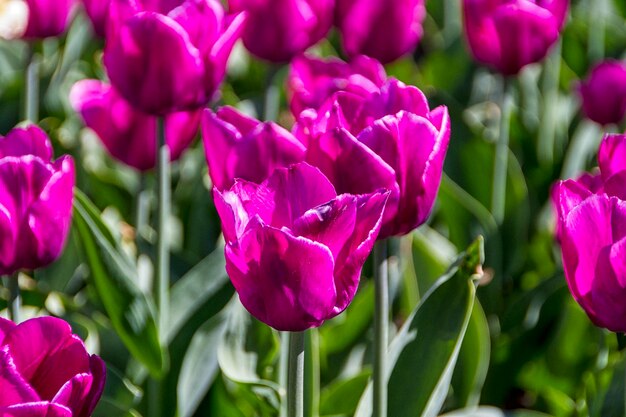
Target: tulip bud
pixel 294 248
pixel 603 93
pixel 47 18
pixel 46 370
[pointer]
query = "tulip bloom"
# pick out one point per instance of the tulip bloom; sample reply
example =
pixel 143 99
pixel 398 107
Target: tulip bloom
pixel 510 34
pixel 127 133
pixel 278 30
pixel 237 146
pixel 603 93
pixel 47 18
pixel 45 371
pixel 381 29
pixel 97 11
pixel 168 56
pixel 35 200
pixel 312 80
pixel 394 137
pixel 294 248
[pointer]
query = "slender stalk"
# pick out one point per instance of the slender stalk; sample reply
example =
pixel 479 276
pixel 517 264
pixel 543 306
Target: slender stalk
pixel 596 34
pixel 15 299
pixel 381 327
pixel 271 101
pixel 31 90
pixel 295 377
pixel 311 373
pixel 142 209
pixel 161 287
pixel 500 167
pixel 547 129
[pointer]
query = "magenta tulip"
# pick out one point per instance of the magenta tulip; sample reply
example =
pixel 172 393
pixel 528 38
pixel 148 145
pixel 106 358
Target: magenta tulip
pixel 294 248
pixel 128 134
pixel 45 371
pixel 47 18
pixel 97 12
pixel 312 80
pixel 381 29
pixel 603 93
pixel 394 137
pixel 168 56
pixel 35 200
pixel 278 30
pixel 237 146
pixel 507 35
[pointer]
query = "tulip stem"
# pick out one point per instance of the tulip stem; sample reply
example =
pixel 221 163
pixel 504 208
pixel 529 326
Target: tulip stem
pixel 31 89
pixel 271 101
pixel 163 212
pixel 500 166
pixel 547 128
pixel 597 28
pixel 295 375
pixel 15 299
pixel 381 327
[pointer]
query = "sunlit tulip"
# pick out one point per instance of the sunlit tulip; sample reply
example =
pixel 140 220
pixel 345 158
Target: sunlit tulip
pixel 35 200
pixel 603 93
pixel 381 29
pixel 294 248
pixel 47 18
pixel 127 133
pixel 45 371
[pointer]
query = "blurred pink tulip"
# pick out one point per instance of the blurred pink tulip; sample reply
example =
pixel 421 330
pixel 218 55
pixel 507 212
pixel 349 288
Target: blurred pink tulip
pixel 47 18
pixel 97 12
pixel 603 93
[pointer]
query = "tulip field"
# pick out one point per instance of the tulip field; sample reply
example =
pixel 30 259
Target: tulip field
pixel 312 208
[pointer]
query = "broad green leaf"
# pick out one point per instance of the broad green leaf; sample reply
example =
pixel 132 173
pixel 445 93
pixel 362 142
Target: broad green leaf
pixel 422 356
pixel 132 313
pixel 342 396
pixel 432 253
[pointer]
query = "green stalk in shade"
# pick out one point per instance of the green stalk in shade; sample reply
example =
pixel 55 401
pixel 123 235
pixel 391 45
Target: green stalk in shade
pixel 15 299
pixel 550 89
pixel 295 376
pixel 161 287
pixel 31 89
pixel 271 100
pixel 500 166
pixel 381 328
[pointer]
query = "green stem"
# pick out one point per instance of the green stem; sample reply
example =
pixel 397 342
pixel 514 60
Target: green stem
pixel 547 129
pixel 500 167
pixel 141 213
pixel 161 287
pixel 15 299
pixel 295 377
pixel 31 90
pixel 311 373
pixel 271 101
pixel 381 328
pixel 597 25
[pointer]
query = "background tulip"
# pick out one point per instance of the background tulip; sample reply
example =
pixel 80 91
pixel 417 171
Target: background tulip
pixel 294 249
pixel 168 56
pixel 603 93
pixel 312 80
pixel 391 134
pixel 509 34
pixel 35 200
pixel 237 146
pixel 278 30
pixel 13 19
pixel 381 29
pixel 97 11
pixel 46 370
pixel 127 133
pixel 47 18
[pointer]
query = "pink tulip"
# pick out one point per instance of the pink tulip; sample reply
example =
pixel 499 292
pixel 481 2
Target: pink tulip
pixel 278 30
pixel 510 34
pixel 168 56
pixel 394 137
pixel 382 29
pixel 237 146
pixel 127 133
pixel 45 371
pixel 603 93
pixel 35 200
pixel 294 248
pixel 97 12
pixel 312 80
pixel 47 18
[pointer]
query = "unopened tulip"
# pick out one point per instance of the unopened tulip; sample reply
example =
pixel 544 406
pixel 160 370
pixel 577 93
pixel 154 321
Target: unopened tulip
pixel 394 137
pixel 603 93
pixel 47 18
pixel 237 146
pixel 97 12
pixel 381 29
pixel 127 133
pixel 168 56
pixel 294 248
pixel 507 35
pixel 35 200
pixel 278 30
pixel 312 80
pixel 45 371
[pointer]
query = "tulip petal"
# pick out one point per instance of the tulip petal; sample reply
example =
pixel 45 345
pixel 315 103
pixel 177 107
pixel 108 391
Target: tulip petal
pixel 98 370
pixel 31 140
pixel 36 409
pixel 220 52
pixel 5 327
pixel 47 18
pixel 202 20
pixel 13 388
pixel 284 281
pixel 612 155
pixel 74 392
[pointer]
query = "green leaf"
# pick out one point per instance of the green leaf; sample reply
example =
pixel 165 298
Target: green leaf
pixel 493 412
pixel 423 354
pixel 132 313
pixel 342 396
